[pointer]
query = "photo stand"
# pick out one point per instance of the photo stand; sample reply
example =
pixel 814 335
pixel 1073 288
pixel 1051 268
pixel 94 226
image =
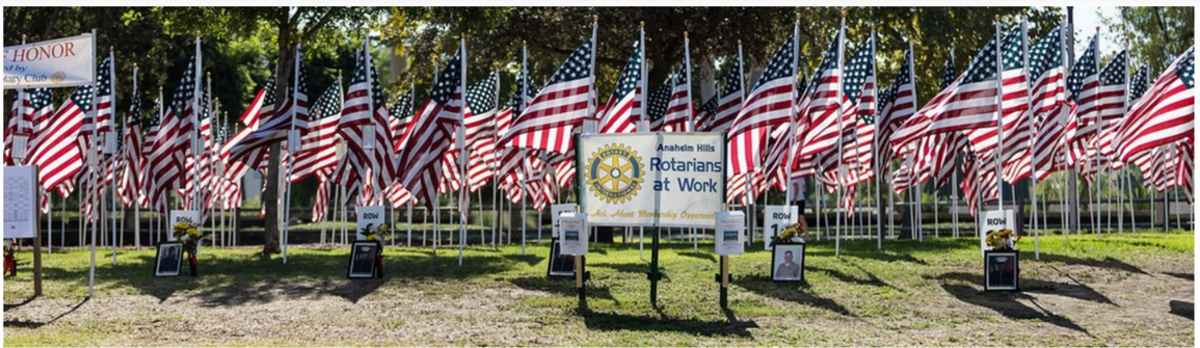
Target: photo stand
pixel 168 260
pixel 560 266
pixel 1001 270
pixel 366 260
pixel 778 253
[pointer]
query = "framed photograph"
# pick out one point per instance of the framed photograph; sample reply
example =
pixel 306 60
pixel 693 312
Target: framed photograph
pixel 168 260
pixel 1002 270
pixel 364 258
pixel 560 265
pixel 787 263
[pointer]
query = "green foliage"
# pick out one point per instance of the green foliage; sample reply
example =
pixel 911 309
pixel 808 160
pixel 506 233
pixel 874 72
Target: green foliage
pixel 1155 35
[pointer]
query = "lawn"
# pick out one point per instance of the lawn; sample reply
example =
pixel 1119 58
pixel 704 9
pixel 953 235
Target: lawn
pixel 1137 289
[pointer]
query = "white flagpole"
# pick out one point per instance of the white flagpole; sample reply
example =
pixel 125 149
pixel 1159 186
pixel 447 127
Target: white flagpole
pixel 999 154
pixel 841 169
pixel 292 144
pixel 1037 241
pixel 464 196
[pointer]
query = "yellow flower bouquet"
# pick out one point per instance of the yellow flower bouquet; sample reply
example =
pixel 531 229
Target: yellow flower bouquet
pixel 1002 240
pixel 789 234
pixel 375 232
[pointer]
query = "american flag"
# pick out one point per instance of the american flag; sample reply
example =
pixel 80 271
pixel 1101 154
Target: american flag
pixel 730 99
pixel 364 129
pixel 678 113
pixel 704 116
pixel 656 106
pixel 261 108
pixel 769 105
pixel 431 132
pixel 981 130
pixel 821 107
pixel 979 183
pixel 55 149
pixel 38 108
pixel 1111 105
pixel 402 112
pixel 318 145
pixel 274 127
pixel 130 188
pixel 897 103
pixel 1183 172
pixel 546 124
pixel 618 114
pixel 1140 82
pixel 1083 83
pixel 511 158
pixel 104 106
pixel 859 98
pixel 482 108
pixel 1049 100
pixel 967 103
pixel 172 143
pixel 1165 114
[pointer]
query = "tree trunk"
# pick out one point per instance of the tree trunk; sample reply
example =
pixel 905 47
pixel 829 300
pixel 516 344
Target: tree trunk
pixel 270 196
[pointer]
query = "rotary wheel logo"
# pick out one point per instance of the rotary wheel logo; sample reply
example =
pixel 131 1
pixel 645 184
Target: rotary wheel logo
pixel 615 173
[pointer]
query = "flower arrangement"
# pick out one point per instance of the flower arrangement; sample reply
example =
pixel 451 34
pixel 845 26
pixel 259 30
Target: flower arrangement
pixel 1003 240
pixel 188 233
pixel 375 232
pixel 789 234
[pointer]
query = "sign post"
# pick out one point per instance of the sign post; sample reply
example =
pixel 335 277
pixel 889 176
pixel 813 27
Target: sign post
pixel 730 236
pixel 574 241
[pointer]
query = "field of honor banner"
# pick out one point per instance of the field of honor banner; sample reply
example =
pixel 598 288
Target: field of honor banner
pixel 64 62
pixel 649 179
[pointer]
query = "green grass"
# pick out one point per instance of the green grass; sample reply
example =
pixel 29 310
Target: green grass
pixel 898 290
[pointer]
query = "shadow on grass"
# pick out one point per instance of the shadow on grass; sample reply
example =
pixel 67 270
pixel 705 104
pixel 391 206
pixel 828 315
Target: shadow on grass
pixel 1107 262
pixel 1182 309
pixel 18 304
pixel 699 255
pixel 625 322
pixel 800 293
pixel 871 279
pixel 231 280
pixel 562 287
pixel 1004 303
pixel 636 267
pixel 34 324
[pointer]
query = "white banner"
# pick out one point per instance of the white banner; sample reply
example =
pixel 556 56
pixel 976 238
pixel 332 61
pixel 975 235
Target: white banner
pixel 64 62
pixel 777 218
pixel 648 179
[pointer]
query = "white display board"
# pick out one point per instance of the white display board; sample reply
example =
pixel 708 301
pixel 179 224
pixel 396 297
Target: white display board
pixel 555 211
pixel 20 202
pixel 64 62
pixel 652 179
pixel 995 220
pixel 777 218
pixel 574 239
pixel 731 234
pixel 178 216
pixel 371 215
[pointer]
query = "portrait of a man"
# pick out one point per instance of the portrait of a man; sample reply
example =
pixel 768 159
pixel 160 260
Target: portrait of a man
pixel 168 260
pixel 788 262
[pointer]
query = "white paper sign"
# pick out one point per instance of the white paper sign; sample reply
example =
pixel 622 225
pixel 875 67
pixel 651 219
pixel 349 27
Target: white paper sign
pixel 777 218
pixel 56 63
pixel 648 179
pixel 993 221
pixel 730 233
pixel 574 239
pixel 20 202
pixel 555 211
pixel 178 216
pixel 368 217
